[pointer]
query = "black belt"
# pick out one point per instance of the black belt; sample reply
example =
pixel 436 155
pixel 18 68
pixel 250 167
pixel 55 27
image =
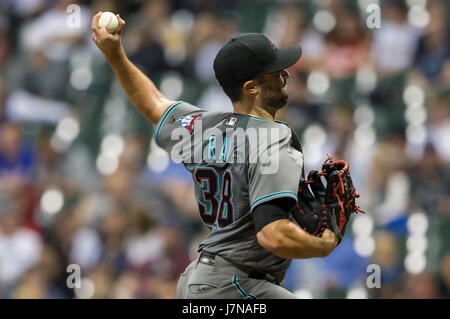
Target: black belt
pixel 210 259
pixel 207 259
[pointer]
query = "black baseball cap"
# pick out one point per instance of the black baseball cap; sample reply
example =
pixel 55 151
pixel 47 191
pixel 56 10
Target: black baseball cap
pixel 249 55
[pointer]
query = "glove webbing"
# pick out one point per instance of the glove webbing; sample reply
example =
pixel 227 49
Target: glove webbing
pixel 354 193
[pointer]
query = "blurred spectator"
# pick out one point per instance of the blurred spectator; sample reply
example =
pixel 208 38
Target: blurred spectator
pixel 301 109
pixel 422 286
pixel 17 162
pixel 387 256
pixel 346 46
pixel 144 246
pixel 429 182
pixel 434 45
pixel 20 247
pixel 43 77
pixel 210 34
pixel 388 183
pixel 114 192
pixel 52 33
pixel 144 40
pixel 395 42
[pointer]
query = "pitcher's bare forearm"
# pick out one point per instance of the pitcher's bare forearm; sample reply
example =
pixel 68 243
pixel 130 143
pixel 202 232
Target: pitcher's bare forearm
pixel 286 240
pixel 139 88
pixel 141 91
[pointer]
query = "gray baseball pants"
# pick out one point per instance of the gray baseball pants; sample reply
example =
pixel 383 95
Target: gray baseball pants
pixel 223 280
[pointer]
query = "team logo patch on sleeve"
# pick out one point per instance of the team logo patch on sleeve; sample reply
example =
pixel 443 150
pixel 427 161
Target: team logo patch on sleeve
pixel 188 121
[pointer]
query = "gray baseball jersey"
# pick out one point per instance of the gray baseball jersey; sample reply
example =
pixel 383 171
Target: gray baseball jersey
pixel 237 162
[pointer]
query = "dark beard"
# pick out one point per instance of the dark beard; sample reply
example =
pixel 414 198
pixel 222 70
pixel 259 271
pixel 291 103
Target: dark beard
pixel 275 99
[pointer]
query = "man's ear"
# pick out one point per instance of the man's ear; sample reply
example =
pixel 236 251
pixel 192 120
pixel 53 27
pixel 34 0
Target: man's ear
pixel 250 87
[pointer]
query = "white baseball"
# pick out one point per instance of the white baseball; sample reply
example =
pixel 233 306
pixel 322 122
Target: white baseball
pixel 109 21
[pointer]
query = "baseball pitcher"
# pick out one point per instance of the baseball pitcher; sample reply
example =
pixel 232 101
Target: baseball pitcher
pixel 250 185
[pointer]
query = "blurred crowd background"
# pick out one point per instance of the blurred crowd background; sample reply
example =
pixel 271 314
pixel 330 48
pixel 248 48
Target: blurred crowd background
pixel 82 181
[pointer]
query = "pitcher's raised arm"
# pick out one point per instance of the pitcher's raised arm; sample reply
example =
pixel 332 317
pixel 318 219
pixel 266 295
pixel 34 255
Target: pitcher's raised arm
pixel 142 92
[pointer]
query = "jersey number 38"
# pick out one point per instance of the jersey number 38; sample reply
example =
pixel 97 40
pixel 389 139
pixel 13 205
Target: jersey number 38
pixel 215 203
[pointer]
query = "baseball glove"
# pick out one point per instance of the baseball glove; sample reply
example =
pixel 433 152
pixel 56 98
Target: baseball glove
pixel 310 212
pixel 340 194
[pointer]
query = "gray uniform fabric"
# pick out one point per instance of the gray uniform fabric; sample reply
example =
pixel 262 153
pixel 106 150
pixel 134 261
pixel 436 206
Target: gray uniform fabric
pixel 225 281
pixel 233 173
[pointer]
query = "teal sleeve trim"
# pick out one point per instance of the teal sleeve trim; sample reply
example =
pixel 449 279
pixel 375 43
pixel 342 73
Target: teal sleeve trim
pixel 163 119
pixel 268 197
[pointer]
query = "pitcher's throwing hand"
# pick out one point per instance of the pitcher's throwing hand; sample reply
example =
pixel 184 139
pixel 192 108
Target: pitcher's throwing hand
pixel 109 43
